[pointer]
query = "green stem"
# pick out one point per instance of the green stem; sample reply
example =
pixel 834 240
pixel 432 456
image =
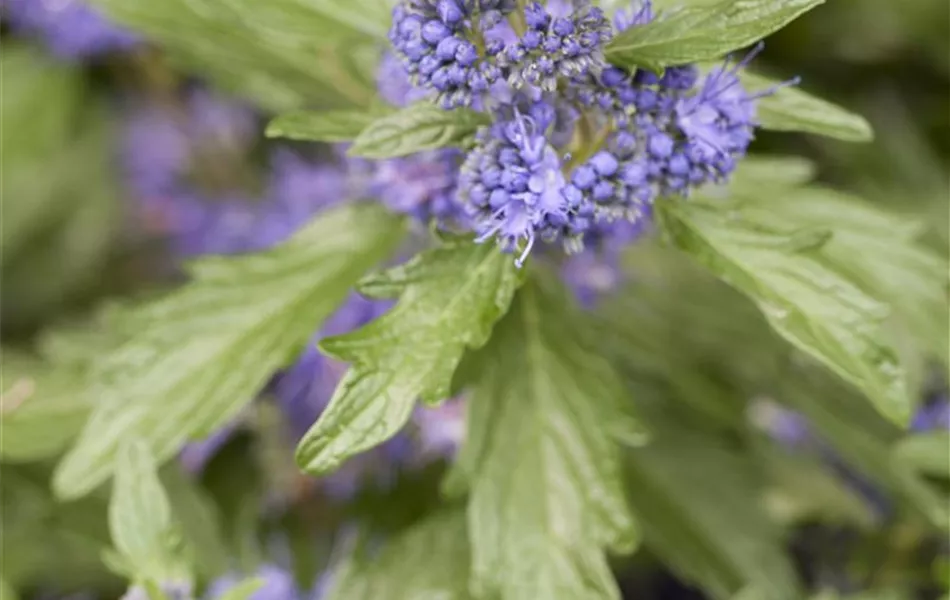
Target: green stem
pixel 586 142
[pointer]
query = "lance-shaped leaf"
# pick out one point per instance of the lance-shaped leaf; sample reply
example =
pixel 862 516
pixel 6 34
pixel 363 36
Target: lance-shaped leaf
pixel 243 590
pixel 861 437
pixel 699 506
pixel 449 299
pixel 780 266
pixel 196 357
pixel 541 459
pixel 200 521
pixel 420 126
pixel 878 251
pixel 323 126
pixel 284 54
pixel 430 559
pixel 758 172
pixel 700 33
pixel 140 519
pixel 791 109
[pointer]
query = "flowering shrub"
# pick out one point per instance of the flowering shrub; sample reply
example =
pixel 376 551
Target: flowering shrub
pixel 509 304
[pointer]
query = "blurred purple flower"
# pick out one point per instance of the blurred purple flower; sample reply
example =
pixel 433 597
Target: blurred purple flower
pixel 423 186
pixel 393 83
pixel 166 153
pixel 441 429
pixel 935 414
pixel 70 28
pixel 596 270
pixel 163 144
pixel 792 430
pixel 276 584
pixel 785 426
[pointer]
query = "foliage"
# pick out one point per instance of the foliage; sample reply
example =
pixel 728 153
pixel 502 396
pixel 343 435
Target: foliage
pixel 763 367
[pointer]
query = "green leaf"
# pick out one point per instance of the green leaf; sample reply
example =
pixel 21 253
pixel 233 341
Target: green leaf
pixel 153 591
pixel 700 33
pixel 140 518
pixel 233 479
pixel 804 490
pixel 878 251
pixel 43 407
pixel 243 590
pixel 677 324
pixel 449 299
pixel 50 537
pixel 861 437
pixel 698 504
pixel 41 103
pixel 927 453
pixel 6 591
pixel 758 172
pixel 542 458
pixel 791 109
pixel 889 593
pixel 200 523
pixel 77 343
pixel 198 356
pixel 325 126
pixel 59 201
pixel 420 126
pixel 284 54
pixel 428 560
pixel 370 17
pixel 779 265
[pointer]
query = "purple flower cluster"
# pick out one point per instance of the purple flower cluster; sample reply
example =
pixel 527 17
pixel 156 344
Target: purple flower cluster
pixel 513 181
pixel 637 136
pixel 430 38
pixel 557 46
pixel 70 28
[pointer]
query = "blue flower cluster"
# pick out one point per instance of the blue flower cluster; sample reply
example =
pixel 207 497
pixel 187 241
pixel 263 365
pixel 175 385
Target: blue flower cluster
pixel 431 38
pixel 577 147
pixel 70 28
pixel 513 181
pixel 557 46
